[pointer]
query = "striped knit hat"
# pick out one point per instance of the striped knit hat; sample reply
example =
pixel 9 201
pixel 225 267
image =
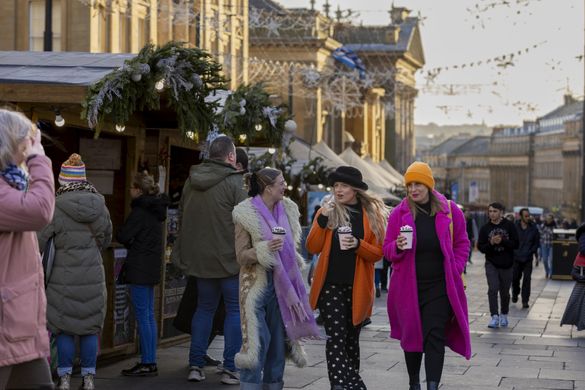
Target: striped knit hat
pixel 72 170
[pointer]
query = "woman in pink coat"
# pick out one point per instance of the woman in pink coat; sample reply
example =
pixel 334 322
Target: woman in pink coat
pixel 427 306
pixel 27 202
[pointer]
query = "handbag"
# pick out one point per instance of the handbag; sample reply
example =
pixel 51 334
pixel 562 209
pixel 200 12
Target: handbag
pixel 48 258
pixel 578 273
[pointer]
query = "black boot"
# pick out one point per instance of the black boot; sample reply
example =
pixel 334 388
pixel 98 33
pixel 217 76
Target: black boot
pixel 432 385
pixel 414 387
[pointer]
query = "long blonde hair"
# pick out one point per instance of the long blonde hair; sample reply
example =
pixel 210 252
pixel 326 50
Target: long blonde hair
pixel 436 205
pixel 376 211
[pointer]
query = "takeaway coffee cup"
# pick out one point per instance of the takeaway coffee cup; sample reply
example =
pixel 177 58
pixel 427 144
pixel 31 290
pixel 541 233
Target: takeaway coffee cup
pixel 343 231
pixel 406 232
pixel 278 232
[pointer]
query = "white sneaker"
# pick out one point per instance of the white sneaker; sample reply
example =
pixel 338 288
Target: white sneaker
pixel 230 377
pixel 196 374
pixel 87 382
pixel 503 320
pixel 64 382
pixel 494 322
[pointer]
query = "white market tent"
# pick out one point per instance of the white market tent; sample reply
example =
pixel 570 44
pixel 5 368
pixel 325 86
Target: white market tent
pixel 382 172
pixel 376 183
pixel 386 165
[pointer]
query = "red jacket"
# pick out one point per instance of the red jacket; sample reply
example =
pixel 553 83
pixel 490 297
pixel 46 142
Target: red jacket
pixel 368 252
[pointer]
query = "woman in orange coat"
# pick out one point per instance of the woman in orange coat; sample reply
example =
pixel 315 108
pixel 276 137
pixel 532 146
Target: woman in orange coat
pixel 348 233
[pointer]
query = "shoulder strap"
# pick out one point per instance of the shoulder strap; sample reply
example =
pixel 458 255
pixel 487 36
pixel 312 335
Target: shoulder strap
pixel 450 219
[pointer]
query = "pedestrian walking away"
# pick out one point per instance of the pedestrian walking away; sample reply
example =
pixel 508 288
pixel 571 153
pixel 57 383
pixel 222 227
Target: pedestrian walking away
pixel 546 237
pixel 27 203
pixel 142 234
pixel 498 239
pixel 347 233
pixel 575 311
pixel 528 243
pixel 427 244
pixel 472 233
pixel 205 249
pixel 76 290
pixel 275 309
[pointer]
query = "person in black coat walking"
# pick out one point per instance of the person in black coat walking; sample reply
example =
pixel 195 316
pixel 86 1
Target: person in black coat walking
pixel 529 240
pixel 142 234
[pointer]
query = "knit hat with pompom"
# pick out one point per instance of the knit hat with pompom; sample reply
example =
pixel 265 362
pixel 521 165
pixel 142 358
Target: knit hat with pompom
pixel 72 170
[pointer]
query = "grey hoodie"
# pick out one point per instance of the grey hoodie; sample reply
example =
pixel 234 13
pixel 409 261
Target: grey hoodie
pixel 205 247
pixel 76 291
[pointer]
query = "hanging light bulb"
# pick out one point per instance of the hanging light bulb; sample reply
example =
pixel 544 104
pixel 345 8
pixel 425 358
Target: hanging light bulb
pixel 120 128
pixel 320 186
pixel 59 120
pixel 160 85
pixel 243 138
pixel 328 188
pixel 190 135
pixel 290 188
pixel 271 150
pixel 258 127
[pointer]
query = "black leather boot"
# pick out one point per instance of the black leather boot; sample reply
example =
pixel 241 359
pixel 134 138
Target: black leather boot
pixel 432 385
pixel 414 387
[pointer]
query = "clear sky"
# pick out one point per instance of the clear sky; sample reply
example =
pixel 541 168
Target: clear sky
pixel 456 32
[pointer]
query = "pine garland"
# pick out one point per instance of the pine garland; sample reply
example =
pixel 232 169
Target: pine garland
pixel 187 75
pixel 248 111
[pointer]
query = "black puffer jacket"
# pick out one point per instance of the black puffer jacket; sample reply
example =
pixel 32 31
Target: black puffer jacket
pixel 142 234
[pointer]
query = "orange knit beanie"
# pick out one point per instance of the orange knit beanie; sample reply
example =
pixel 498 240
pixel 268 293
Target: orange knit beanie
pixel 419 172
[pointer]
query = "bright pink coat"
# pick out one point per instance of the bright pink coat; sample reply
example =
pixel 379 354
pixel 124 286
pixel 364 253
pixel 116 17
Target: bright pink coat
pixel 23 319
pixel 403 307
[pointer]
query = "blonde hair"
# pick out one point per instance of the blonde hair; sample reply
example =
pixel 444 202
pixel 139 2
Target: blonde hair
pixel 436 205
pixel 145 183
pixel 376 211
pixel 14 128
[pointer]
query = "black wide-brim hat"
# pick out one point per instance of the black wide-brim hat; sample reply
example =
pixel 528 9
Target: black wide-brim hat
pixel 348 175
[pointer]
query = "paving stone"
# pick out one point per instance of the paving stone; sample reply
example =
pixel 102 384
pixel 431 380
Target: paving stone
pixel 523 383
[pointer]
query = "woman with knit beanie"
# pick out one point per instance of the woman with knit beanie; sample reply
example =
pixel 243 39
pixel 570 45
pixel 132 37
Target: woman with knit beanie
pixel 274 307
pixel 76 288
pixel 427 243
pixel 347 233
pixel 142 234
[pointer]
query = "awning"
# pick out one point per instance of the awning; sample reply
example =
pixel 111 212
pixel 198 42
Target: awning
pixel 386 165
pixel 382 172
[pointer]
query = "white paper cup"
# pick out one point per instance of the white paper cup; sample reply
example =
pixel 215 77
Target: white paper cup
pixel 408 236
pixel 342 245
pixel 278 235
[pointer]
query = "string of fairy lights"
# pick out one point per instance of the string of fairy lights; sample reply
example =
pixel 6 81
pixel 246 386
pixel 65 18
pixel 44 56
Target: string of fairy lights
pixel 342 89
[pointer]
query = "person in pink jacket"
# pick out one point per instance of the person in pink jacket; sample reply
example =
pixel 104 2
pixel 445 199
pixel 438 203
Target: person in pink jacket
pixel 427 306
pixel 27 203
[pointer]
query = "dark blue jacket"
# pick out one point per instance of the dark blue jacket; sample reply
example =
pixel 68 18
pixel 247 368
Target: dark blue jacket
pixel 529 241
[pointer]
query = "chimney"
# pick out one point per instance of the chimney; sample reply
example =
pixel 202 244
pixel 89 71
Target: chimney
pixel 569 99
pixel 398 15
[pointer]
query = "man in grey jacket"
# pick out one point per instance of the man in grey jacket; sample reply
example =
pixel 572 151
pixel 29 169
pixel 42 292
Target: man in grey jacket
pixel 205 249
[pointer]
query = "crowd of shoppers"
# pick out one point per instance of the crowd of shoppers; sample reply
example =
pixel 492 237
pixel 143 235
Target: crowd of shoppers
pixel 243 250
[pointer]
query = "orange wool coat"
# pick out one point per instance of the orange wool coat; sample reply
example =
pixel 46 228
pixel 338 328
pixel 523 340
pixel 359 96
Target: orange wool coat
pixel 368 252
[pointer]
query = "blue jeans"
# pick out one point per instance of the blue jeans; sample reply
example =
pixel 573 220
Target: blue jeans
pixel 208 294
pixel 88 346
pixel 142 297
pixel 271 358
pixel 546 256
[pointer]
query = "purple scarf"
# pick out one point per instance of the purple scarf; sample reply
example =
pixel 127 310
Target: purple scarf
pixel 288 282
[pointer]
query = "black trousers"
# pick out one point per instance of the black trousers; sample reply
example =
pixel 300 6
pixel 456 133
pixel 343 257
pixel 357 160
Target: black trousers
pixel 435 312
pixel 522 271
pixel 499 281
pixel 342 348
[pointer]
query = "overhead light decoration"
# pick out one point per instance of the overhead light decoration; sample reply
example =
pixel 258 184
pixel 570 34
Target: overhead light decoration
pixel 159 85
pixel 258 127
pixel 320 186
pixel 271 150
pixel 243 138
pixel 59 120
pixel 290 188
pixel 120 128
pixel 190 135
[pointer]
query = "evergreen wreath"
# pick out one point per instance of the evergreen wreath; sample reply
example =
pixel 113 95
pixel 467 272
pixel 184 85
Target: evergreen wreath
pixel 248 111
pixel 187 75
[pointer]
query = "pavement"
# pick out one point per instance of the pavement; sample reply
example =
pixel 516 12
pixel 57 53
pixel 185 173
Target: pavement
pixel 534 352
